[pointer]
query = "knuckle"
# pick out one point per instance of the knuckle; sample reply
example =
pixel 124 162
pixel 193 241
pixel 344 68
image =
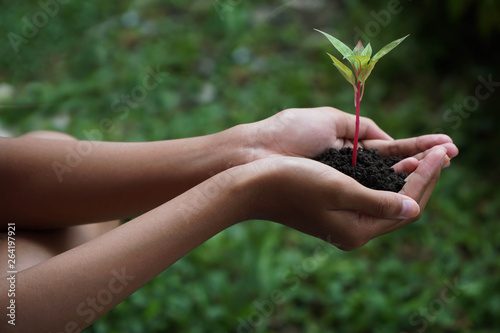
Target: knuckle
pixel 382 206
pixel 368 120
pixel 393 148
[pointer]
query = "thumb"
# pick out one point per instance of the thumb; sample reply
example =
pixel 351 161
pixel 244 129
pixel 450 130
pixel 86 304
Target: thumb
pixel 384 204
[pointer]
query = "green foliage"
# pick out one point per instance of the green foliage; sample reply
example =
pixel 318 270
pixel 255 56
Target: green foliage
pixel 255 62
pixel 359 57
pixel 362 66
pixel 367 70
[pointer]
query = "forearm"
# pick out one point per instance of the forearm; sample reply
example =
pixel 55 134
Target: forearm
pixel 60 182
pixel 80 285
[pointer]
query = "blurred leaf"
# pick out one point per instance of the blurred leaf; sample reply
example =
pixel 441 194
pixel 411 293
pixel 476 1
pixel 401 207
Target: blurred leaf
pixel 359 61
pixel 388 48
pixel 366 72
pixel 341 47
pixel 344 70
pixel 358 49
pixel 367 51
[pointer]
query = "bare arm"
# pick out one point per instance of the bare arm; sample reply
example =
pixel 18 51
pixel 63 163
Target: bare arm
pixel 58 182
pixel 72 290
pixel 82 284
pixel 115 179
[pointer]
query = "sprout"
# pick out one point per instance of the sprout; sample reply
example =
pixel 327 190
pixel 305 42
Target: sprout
pixel 362 64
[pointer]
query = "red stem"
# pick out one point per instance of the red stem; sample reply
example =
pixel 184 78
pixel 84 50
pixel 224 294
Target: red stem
pixel 356 133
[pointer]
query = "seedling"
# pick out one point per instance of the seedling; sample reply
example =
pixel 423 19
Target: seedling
pixel 362 63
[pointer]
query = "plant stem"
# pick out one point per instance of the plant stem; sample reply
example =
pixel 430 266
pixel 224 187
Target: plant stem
pixel 356 133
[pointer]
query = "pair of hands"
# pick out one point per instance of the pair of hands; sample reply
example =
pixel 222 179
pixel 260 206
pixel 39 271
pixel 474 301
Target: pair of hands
pixel 290 188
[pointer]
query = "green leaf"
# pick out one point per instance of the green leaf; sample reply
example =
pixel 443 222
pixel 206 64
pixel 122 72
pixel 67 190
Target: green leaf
pixel 364 75
pixel 359 61
pixel 341 47
pixel 367 51
pixel 366 72
pixel 344 70
pixel 358 48
pixel 388 48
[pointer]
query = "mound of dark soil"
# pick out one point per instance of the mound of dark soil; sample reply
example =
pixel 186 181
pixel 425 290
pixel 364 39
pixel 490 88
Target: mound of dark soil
pixel 372 170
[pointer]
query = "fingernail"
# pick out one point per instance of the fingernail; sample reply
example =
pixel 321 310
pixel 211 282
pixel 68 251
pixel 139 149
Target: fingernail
pixel 446 162
pixel 410 209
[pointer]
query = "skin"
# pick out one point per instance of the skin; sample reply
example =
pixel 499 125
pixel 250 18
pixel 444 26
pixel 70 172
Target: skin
pixel 184 192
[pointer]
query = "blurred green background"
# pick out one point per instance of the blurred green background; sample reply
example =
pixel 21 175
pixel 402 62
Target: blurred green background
pixel 69 66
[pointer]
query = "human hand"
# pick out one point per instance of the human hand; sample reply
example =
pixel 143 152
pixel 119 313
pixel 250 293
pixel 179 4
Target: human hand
pixel 310 132
pixel 413 150
pixel 320 201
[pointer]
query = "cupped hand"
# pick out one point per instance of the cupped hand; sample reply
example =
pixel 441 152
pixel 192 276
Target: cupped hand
pixel 413 150
pixel 310 132
pixel 320 201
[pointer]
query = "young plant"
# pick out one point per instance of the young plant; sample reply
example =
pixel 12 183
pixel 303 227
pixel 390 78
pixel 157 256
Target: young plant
pixel 362 63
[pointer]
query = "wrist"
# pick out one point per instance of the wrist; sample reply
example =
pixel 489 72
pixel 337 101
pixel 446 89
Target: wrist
pixel 244 142
pixel 255 186
pixel 231 195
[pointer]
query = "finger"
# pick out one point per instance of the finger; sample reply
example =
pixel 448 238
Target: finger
pixel 420 185
pixel 423 202
pixel 379 211
pixel 408 165
pixel 408 147
pixel 380 204
pixel 451 150
pixel 368 129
